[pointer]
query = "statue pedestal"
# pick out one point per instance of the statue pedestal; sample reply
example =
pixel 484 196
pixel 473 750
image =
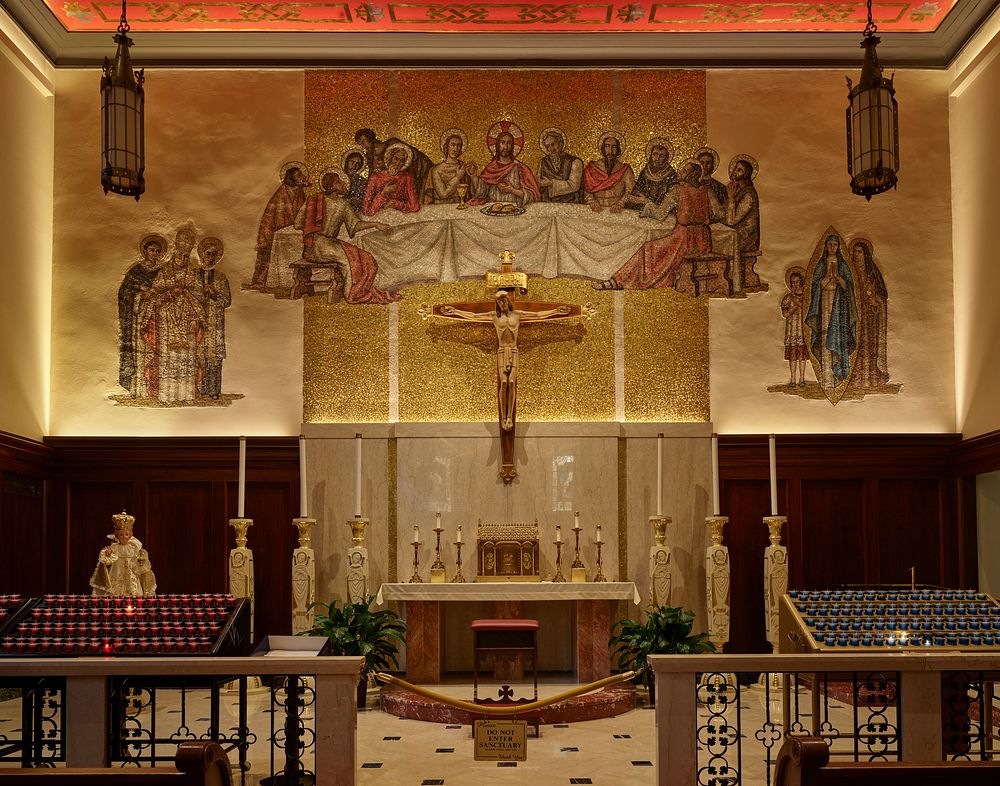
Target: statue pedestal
pixel 357 562
pixel 303 578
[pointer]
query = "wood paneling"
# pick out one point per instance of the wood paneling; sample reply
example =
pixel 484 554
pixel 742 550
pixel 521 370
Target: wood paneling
pixel 93 504
pixel 860 509
pixel 24 467
pixel 182 492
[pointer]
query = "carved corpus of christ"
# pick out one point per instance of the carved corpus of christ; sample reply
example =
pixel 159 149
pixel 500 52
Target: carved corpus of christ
pixel 506 315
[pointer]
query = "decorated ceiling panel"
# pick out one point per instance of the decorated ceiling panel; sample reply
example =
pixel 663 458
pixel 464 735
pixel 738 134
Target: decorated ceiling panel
pixel 466 16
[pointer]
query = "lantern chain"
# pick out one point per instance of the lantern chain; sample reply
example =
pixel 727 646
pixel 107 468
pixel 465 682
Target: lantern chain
pixel 123 26
pixel 870 28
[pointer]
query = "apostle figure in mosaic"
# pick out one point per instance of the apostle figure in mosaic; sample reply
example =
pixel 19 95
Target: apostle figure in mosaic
pixel 321 220
pixel 743 204
pixel 832 317
pixel 217 298
pixel 656 263
pixel 172 325
pixel 123 565
pixel 504 178
pixel 656 178
pixel 872 368
pixel 452 174
pixel 392 187
pixel 354 164
pixel 560 174
pixel 709 160
pixel 607 182
pixel 135 284
pixel 279 213
pixel 376 151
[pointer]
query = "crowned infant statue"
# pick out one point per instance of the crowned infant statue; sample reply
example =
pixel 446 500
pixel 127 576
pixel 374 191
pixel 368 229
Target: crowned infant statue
pixel 123 565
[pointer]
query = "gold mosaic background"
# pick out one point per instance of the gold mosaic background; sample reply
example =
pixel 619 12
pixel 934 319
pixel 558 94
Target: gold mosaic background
pixel 666 356
pixel 345 364
pixel 446 371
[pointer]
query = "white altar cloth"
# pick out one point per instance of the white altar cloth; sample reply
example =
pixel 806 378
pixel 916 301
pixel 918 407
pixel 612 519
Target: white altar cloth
pixel 513 590
pixel 442 243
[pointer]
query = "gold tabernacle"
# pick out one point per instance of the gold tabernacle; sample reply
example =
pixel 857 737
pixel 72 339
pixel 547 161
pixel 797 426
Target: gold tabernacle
pixel 507 552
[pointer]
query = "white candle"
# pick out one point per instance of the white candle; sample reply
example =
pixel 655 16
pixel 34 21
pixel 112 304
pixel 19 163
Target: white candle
pixel 576 520
pixel 774 475
pixel 458 537
pixel 437 522
pixel 558 534
pixel 303 494
pixel 357 475
pixel 243 477
pixel 715 475
pixel 416 534
pixel 598 539
pixel 659 475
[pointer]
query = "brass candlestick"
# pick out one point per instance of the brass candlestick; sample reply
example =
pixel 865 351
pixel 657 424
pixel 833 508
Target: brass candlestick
pixel 578 571
pixel 599 576
pixel 437 567
pixel 558 577
pixel 415 578
pixel 459 578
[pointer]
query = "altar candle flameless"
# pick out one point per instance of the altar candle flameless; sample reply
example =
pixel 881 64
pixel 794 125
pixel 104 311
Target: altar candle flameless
pixel 357 476
pixel 437 522
pixel 715 475
pixel 303 494
pixel 458 537
pixel 416 534
pixel 576 520
pixel 774 475
pixel 243 477
pixel 598 539
pixel 659 475
pixel 558 534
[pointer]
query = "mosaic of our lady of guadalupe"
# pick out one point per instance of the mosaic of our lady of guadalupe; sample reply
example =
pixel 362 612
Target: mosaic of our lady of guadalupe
pixel 836 316
pixel 637 204
pixel 172 323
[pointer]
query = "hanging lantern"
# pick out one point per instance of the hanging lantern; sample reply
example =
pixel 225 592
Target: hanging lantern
pixel 872 124
pixel 123 154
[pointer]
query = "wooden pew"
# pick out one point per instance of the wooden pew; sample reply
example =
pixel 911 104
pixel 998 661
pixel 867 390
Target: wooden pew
pixel 196 764
pixel 805 761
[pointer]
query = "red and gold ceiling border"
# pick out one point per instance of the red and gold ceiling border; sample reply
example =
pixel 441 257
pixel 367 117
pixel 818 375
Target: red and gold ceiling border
pixel 467 16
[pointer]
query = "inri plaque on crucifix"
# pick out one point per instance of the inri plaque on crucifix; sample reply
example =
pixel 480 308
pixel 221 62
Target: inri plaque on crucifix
pixel 507 314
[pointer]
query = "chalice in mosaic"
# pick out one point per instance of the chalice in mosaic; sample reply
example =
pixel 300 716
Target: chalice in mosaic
pixel 462 189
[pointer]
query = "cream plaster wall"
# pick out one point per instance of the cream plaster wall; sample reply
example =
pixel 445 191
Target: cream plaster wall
pixel 975 128
pixel 793 123
pixel 215 141
pixel 26 129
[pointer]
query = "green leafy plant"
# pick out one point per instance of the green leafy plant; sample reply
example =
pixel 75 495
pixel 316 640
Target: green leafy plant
pixel 666 631
pixel 356 629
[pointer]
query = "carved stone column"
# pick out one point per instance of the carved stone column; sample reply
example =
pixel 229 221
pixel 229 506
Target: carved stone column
pixel 241 566
pixel 775 577
pixel 303 578
pixel 660 577
pixel 717 583
pixel 357 562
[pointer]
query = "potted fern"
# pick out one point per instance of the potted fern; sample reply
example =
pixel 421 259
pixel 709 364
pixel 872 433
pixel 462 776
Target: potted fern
pixel 666 631
pixel 355 629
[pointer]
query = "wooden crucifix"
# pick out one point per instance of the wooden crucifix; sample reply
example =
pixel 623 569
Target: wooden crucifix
pixel 507 315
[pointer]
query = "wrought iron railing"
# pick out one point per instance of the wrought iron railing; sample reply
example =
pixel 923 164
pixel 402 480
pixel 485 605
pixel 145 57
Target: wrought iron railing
pixel 280 720
pixel 717 725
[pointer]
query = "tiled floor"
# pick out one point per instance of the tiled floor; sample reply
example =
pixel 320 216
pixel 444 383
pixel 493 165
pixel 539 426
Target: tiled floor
pixel 415 753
